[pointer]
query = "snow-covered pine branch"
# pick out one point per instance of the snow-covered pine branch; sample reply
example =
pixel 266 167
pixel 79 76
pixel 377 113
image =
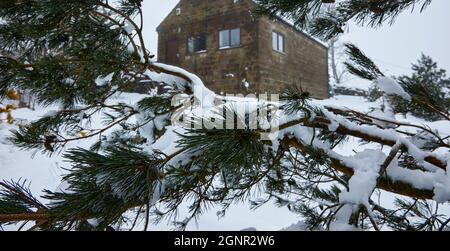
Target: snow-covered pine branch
pixel 147 163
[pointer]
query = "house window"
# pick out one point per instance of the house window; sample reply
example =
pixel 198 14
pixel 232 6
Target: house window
pixel 277 42
pixel 229 38
pixel 197 43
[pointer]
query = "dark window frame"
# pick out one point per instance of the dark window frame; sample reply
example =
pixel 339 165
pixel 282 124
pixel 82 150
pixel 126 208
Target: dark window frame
pixel 230 39
pixel 198 46
pixel 277 49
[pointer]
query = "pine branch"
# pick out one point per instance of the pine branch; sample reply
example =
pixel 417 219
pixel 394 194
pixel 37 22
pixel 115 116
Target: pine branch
pixel 328 18
pixel 352 113
pixel 361 65
pixel 24 217
pixel 384 183
pixel 355 131
pixel 131 21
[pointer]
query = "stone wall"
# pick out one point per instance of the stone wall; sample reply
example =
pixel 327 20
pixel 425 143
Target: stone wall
pixel 303 63
pixel 223 70
pixel 253 62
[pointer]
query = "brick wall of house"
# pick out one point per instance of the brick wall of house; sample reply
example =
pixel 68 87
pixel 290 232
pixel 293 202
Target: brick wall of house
pixel 303 63
pixel 226 70
pixel 223 70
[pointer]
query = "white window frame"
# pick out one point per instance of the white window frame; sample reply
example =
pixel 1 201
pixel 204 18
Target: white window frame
pixel 279 44
pixel 228 44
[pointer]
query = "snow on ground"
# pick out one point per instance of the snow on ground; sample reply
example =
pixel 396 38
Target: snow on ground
pixel 14 164
pixel 356 84
pixel 45 172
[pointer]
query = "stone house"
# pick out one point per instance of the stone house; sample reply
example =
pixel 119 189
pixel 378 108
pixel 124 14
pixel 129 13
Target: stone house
pixel 235 52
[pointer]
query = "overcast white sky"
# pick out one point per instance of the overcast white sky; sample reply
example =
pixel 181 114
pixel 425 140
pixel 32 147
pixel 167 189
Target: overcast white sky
pixel 393 48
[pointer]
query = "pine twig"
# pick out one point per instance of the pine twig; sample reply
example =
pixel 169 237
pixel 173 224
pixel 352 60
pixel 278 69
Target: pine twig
pixel 24 217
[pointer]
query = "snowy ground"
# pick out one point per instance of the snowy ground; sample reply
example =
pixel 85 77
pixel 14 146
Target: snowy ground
pixel 45 172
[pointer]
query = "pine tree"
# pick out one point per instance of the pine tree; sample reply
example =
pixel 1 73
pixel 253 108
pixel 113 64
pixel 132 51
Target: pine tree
pixel 429 83
pixel 64 48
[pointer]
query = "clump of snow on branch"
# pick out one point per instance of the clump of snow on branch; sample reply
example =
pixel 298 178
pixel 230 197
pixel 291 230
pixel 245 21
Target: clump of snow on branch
pixel 391 87
pixel 364 180
pixel 442 186
pixel 104 80
pixel 203 94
